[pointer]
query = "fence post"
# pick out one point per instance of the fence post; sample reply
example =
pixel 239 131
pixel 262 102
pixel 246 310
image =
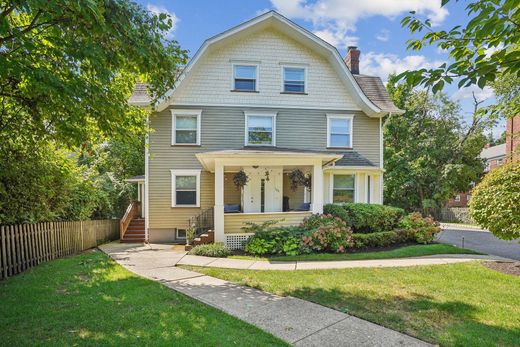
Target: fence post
pixel 4 256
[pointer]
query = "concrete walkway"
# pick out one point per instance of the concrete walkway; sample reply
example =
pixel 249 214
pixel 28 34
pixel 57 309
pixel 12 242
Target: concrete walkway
pixel 296 321
pixel 227 263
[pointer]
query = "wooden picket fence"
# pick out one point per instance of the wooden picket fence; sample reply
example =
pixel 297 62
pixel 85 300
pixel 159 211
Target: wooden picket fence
pixel 26 245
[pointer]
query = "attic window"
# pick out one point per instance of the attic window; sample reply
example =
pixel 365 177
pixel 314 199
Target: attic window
pixel 245 78
pixel 293 79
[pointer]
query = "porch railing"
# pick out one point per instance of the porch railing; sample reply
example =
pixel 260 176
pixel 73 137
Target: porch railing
pixel 203 221
pixel 131 212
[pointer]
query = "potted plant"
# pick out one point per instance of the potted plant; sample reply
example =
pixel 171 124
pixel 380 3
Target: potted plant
pixel 191 231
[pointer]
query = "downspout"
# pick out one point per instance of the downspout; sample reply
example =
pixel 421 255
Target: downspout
pixel 146 182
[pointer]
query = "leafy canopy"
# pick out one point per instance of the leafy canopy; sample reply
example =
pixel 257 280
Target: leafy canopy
pixel 487 46
pixel 430 152
pixel 68 67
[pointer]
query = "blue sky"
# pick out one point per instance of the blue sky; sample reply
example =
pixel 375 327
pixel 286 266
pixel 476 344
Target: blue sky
pixel 373 25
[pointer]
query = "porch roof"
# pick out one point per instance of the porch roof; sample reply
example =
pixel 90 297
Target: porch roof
pixel 246 154
pixel 136 179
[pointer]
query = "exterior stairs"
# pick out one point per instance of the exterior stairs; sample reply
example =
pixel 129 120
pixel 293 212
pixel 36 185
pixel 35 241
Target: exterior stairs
pixel 205 238
pixel 135 232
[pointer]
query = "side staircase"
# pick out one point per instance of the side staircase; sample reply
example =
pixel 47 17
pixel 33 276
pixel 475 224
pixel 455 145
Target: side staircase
pixel 135 231
pixel 203 224
pixel 204 238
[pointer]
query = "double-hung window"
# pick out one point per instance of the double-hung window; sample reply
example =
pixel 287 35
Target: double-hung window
pixel 339 131
pixel 260 129
pixel 245 78
pixel 186 127
pixel 343 188
pixel 185 188
pixel 293 79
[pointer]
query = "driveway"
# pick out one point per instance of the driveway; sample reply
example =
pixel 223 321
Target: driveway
pixel 481 241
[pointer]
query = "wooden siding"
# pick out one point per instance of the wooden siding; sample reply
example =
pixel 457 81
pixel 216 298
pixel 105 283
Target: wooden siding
pixel 223 128
pixel 233 222
pixel 210 81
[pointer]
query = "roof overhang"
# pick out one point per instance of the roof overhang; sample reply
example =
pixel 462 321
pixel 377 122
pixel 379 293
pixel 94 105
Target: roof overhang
pixel 251 157
pixel 291 29
pixel 135 180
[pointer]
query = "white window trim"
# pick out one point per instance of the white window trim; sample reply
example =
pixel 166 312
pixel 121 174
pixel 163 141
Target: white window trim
pixel 260 114
pixel 245 63
pixel 457 198
pixel 298 66
pixel 340 116
pixel 177 112
pixel 176 173
pixel 331 186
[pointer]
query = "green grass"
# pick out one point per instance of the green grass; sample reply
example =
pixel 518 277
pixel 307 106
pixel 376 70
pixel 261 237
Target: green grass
pixel 91 300
pixel 463 304
pixel 402 252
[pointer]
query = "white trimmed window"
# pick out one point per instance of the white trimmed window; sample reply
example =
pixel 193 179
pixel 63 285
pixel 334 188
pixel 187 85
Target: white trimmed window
pixel 457 198
pixel 185 188
pixel 260 129
pixel 245 77
pixel 339 131
pixel 186 127
pixel 343 188
pixel 293 79
pixel 180 234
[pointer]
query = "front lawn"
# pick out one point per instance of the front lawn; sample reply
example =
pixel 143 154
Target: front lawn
pixel 401 252
pixel 463 304
pixel 91 300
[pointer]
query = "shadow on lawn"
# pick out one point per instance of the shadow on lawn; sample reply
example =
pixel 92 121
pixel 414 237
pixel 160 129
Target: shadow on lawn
pixel 451 323
pixel 89 300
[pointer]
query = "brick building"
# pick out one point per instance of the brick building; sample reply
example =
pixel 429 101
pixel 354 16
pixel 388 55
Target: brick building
pixel 513 138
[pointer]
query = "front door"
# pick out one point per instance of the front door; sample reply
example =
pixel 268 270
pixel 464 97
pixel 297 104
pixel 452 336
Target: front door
pixel 263 191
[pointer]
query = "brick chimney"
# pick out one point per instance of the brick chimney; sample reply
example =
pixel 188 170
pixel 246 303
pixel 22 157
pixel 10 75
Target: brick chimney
pixel 352 59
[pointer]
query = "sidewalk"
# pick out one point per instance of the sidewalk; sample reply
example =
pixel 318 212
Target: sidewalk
pixel 227 263
pixel 296 321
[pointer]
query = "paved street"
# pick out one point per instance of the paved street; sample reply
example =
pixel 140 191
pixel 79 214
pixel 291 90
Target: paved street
pixel 480 241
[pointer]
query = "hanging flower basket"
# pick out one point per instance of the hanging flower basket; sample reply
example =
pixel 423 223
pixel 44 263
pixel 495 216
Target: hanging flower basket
pixel 240 179
pixel 298 178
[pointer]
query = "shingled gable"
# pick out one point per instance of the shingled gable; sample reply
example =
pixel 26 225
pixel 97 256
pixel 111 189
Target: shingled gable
pixel 368 92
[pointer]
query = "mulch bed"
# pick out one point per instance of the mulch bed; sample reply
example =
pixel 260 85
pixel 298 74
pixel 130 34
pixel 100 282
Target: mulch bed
pixel 507 267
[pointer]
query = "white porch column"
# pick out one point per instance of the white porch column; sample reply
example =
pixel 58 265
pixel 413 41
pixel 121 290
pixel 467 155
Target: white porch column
pixel 218 212
pixel 317 188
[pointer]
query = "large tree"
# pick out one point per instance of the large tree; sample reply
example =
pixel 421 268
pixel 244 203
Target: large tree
pixel 68 67
pixel 430 152
pixel 487 46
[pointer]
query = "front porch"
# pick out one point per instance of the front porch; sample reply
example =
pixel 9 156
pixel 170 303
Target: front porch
pixel 268 194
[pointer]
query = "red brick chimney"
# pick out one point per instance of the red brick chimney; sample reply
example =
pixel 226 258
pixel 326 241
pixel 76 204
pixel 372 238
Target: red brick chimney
pixel 352 59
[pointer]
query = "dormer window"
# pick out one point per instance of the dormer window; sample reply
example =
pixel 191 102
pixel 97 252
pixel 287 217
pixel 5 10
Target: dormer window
pixel 293 79
pixel 245 78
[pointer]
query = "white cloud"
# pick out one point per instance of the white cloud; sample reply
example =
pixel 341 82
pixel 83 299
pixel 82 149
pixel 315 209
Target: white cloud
pixel 382 64
pixel 344 14
pixel 337 38
pixel 160 9
pixel 384 35
pixel 467 93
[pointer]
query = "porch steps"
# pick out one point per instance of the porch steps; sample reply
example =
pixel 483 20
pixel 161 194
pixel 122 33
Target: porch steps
pixel 135 232
pixel 203 239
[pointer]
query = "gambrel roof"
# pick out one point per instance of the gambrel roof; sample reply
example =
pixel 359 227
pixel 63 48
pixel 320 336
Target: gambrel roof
pixel 368 92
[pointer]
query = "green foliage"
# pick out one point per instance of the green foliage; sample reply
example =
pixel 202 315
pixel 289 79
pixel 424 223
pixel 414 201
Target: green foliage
pixel 495 202
pixel 336 211
pixel 482 49
pixel 376 240
pixel 430 152
pixel 506 88
pixel 217 250
pixel 276 240
pixel 420 229
pixel 70 67
pixel 327 233
pixel 253 227
pixel 367 218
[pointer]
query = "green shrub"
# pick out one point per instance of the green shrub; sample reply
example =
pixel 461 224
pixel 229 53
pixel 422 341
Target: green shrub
pixel 216 249
pixel 375 240
pixel 337 211
pixel 495 202
pixel 276 240
pixel 368 218
pixel 419 228
pixel 326 233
